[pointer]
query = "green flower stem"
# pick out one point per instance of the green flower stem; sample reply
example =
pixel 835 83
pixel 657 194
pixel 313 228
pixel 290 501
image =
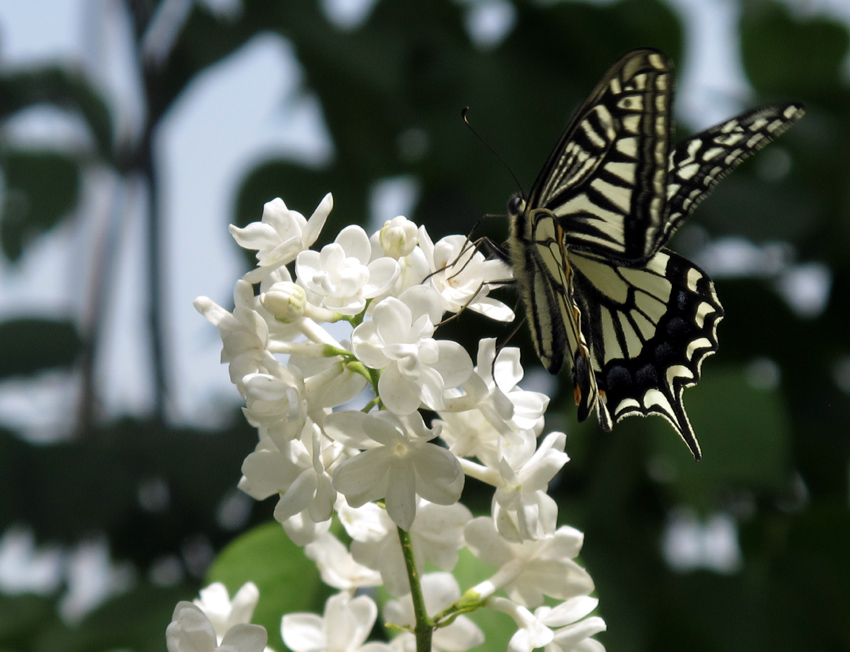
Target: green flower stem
pixel 424 627
pixel 372 375
pixel 467 604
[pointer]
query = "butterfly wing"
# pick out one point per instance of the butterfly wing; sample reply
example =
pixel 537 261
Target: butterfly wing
pixel 544 277
pixel 648 330
pixel 698 163
pixel 634 320
pixel 605 181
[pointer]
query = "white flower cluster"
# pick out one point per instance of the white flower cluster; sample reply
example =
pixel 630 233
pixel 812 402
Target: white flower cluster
pixel 215 624
pixel 383 467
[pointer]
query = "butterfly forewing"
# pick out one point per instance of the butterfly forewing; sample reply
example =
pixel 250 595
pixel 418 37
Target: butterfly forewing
pixel 649 329
pixel 698 163
pixel 605 181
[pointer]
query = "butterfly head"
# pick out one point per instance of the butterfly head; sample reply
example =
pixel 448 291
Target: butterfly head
pixel 516 205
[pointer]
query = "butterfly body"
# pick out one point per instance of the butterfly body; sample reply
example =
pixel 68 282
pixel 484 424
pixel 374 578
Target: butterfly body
pixel 587 246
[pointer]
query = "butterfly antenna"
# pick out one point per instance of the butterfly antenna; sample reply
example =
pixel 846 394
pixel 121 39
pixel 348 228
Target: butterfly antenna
pixel 463 114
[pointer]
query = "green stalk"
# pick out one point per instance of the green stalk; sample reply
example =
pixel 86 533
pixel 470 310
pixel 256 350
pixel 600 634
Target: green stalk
pixel 424 627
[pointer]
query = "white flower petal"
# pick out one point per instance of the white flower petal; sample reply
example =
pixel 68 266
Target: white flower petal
pixel 423 300
pixel 355 243
pixel 255 236
pixel 383 273
pixel 401 494
pixel 439 477
pixel 454 363
pixel 317 221
pixel 368 346
pixel 570 611
pixel 398 393
pixel 492 309
pixel 190 630
pixel 393 320
pixel 303 632
pixel 244 638
pixel 364 478
pixel 297 497
pixel 266 473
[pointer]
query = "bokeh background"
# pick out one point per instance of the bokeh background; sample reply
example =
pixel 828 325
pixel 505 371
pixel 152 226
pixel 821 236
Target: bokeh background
pixel 134 131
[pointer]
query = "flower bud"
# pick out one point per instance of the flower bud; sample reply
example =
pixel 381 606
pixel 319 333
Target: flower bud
pixel 286 301
pixel 399 237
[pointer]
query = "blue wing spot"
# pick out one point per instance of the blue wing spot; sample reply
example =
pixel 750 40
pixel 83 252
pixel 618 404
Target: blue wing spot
pixel 647 376
pixel 678 329
pixel 666 354
pixel 618 380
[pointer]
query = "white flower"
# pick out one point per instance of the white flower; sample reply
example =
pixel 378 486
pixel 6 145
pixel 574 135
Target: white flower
pixel 337 566
pixel 280 236
pixel 375 544
pixel 502 375
pixel 398 464
pixel 380 469
pixel 521 507
pixel 275 401
pixel 340 277
pixel 463 275
pixel 436 535
pixel 531 631
pixel 328 382
pixel 244 334
pixel 415 367
pixel 296 471
pixel 531 569
pixel 536 629
pixel 215 624
pixel 440 590
pixel 344 627
pixel 223 612
pixel 504 420
pixel 574 630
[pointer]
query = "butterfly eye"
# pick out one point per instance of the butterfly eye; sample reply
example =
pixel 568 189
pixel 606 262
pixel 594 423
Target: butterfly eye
pixel 516 205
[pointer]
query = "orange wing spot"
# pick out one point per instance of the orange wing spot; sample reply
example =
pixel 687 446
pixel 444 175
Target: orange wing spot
pixel 577 394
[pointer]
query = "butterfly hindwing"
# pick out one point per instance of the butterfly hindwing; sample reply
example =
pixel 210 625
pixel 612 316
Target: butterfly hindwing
pixel 648 328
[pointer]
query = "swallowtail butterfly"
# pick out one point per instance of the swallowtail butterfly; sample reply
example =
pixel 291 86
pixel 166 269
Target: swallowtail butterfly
pixel 587 246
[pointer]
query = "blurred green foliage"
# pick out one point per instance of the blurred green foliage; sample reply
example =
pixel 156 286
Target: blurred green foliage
pixel 391 89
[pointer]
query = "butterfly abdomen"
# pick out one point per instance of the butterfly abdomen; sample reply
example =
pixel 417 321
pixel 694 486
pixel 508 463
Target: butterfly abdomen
pixel 548 332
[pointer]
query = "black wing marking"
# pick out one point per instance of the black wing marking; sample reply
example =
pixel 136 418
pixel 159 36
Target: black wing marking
pixel 698 163
pixel 605 180
pixel 649 330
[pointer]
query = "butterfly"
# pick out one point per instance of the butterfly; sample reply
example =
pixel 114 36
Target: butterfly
pixel 587 246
